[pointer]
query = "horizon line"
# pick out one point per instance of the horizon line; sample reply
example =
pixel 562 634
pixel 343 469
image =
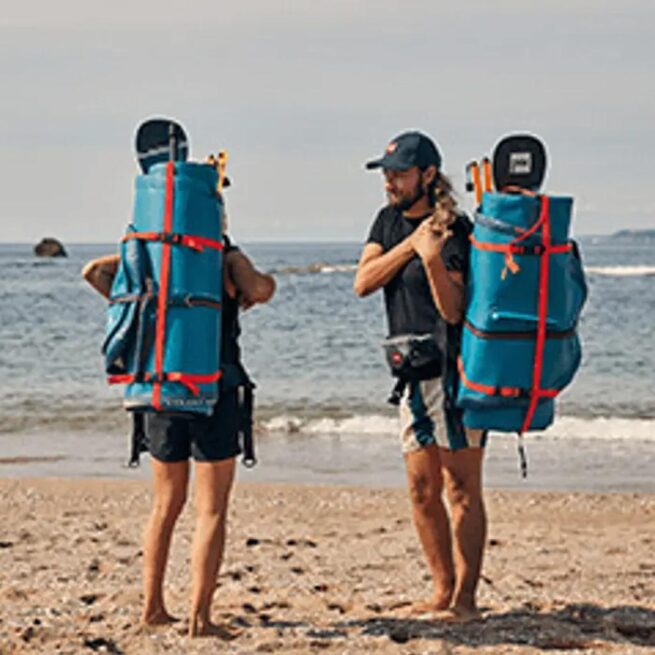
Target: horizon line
pixel 266 240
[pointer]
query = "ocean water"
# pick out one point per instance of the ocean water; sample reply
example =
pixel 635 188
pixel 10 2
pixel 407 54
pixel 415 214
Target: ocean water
pixel 322 382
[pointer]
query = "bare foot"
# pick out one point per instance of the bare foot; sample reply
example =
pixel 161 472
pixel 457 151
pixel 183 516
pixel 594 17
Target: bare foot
pixel 460 614
pixel 209 629
pixel 161 617
pixel 434 604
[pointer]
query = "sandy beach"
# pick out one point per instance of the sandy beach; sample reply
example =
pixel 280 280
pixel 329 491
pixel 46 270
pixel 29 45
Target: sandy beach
pixel 325 569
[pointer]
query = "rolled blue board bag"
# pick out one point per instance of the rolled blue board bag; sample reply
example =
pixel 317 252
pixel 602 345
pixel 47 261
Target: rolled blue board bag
pixel 164 319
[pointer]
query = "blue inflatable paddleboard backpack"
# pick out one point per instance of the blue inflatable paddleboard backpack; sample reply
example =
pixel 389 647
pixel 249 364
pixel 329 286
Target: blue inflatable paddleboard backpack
pixel 525 293
pixel 164 319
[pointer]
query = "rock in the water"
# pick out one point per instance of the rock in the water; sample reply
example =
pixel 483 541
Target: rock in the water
pixel 50 248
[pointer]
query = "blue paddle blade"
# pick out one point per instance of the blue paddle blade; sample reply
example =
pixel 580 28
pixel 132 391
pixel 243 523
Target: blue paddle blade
pixel 159 140
pixel 519 160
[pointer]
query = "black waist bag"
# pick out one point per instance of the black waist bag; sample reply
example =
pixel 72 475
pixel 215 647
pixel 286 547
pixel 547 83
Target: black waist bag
pixel 411 357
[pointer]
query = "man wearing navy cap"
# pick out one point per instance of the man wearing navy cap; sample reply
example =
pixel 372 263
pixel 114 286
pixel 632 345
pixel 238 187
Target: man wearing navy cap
pixel 417 252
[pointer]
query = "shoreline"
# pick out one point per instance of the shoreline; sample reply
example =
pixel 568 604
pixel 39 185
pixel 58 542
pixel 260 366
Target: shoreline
pixel 326 568
pixel 368 460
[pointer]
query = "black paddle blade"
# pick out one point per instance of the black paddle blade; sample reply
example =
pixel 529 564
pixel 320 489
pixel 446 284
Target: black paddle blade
pixel 159 140
pixel 519 160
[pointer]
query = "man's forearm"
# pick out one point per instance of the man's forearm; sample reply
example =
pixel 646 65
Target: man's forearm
pixel 447 293
pixel 375 273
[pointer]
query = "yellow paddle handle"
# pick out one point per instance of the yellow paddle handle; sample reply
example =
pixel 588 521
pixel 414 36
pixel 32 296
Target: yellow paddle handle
pixel 221 166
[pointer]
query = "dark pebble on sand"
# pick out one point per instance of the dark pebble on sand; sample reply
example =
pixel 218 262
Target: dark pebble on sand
pixel 93 570
pixel 320 587
pixel 249 607
pixel 286 556
pixel 103 645
pixel 241 621
pixel 302 542
pixel 297 570
pixel 335 606
pixel 400 635
pixel 6 544
pixel 27 634
pixel 89 599
pixel 251 541
pixel 494 542
pixel 255 590
pixel 374 607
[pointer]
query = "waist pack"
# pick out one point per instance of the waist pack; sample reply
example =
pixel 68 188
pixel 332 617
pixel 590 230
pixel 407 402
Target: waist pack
pixel 411 357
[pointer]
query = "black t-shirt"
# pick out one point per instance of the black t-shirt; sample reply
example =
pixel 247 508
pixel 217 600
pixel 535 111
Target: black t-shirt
pixel 407 296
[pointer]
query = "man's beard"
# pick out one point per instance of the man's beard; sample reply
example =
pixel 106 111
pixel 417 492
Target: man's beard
pixel 404 204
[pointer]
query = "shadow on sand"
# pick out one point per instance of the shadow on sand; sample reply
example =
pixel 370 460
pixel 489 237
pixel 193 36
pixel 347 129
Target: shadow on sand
pixel 576 626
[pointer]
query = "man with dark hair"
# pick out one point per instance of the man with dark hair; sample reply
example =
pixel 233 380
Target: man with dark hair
pixel 417 252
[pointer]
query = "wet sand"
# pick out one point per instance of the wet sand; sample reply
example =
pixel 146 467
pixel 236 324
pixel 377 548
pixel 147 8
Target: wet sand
pixel 370 460
pixel 325 570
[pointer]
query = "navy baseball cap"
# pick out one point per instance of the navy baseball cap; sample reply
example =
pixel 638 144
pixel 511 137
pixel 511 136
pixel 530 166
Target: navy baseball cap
pixel 408 150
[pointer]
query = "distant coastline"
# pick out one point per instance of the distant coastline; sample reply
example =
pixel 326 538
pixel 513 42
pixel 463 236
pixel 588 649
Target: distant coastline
pixel 622 235
pixel 633 235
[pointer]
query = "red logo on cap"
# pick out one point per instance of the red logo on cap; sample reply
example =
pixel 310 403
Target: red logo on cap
pixel 391 147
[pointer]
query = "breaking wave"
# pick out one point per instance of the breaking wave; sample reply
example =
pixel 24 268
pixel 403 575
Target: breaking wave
pixel 316 267
pixel 564 427
pixel 621 271
pixel 341 267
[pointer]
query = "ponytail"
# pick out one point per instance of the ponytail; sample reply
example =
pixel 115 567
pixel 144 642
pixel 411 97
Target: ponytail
pixel 442 198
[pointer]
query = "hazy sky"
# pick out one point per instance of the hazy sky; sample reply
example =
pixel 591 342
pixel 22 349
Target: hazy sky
pixel 302 93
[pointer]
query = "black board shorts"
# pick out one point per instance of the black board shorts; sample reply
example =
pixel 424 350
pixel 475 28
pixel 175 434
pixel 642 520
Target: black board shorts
pixel 175 437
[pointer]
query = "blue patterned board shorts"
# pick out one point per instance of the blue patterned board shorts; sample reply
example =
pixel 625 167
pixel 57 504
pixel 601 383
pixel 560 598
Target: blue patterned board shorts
pixel 425 419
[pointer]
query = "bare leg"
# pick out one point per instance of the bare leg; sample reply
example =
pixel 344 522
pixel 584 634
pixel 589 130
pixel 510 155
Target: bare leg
pixel 463 480
pixel 170 483
pixel 425 489
pixel 213 484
